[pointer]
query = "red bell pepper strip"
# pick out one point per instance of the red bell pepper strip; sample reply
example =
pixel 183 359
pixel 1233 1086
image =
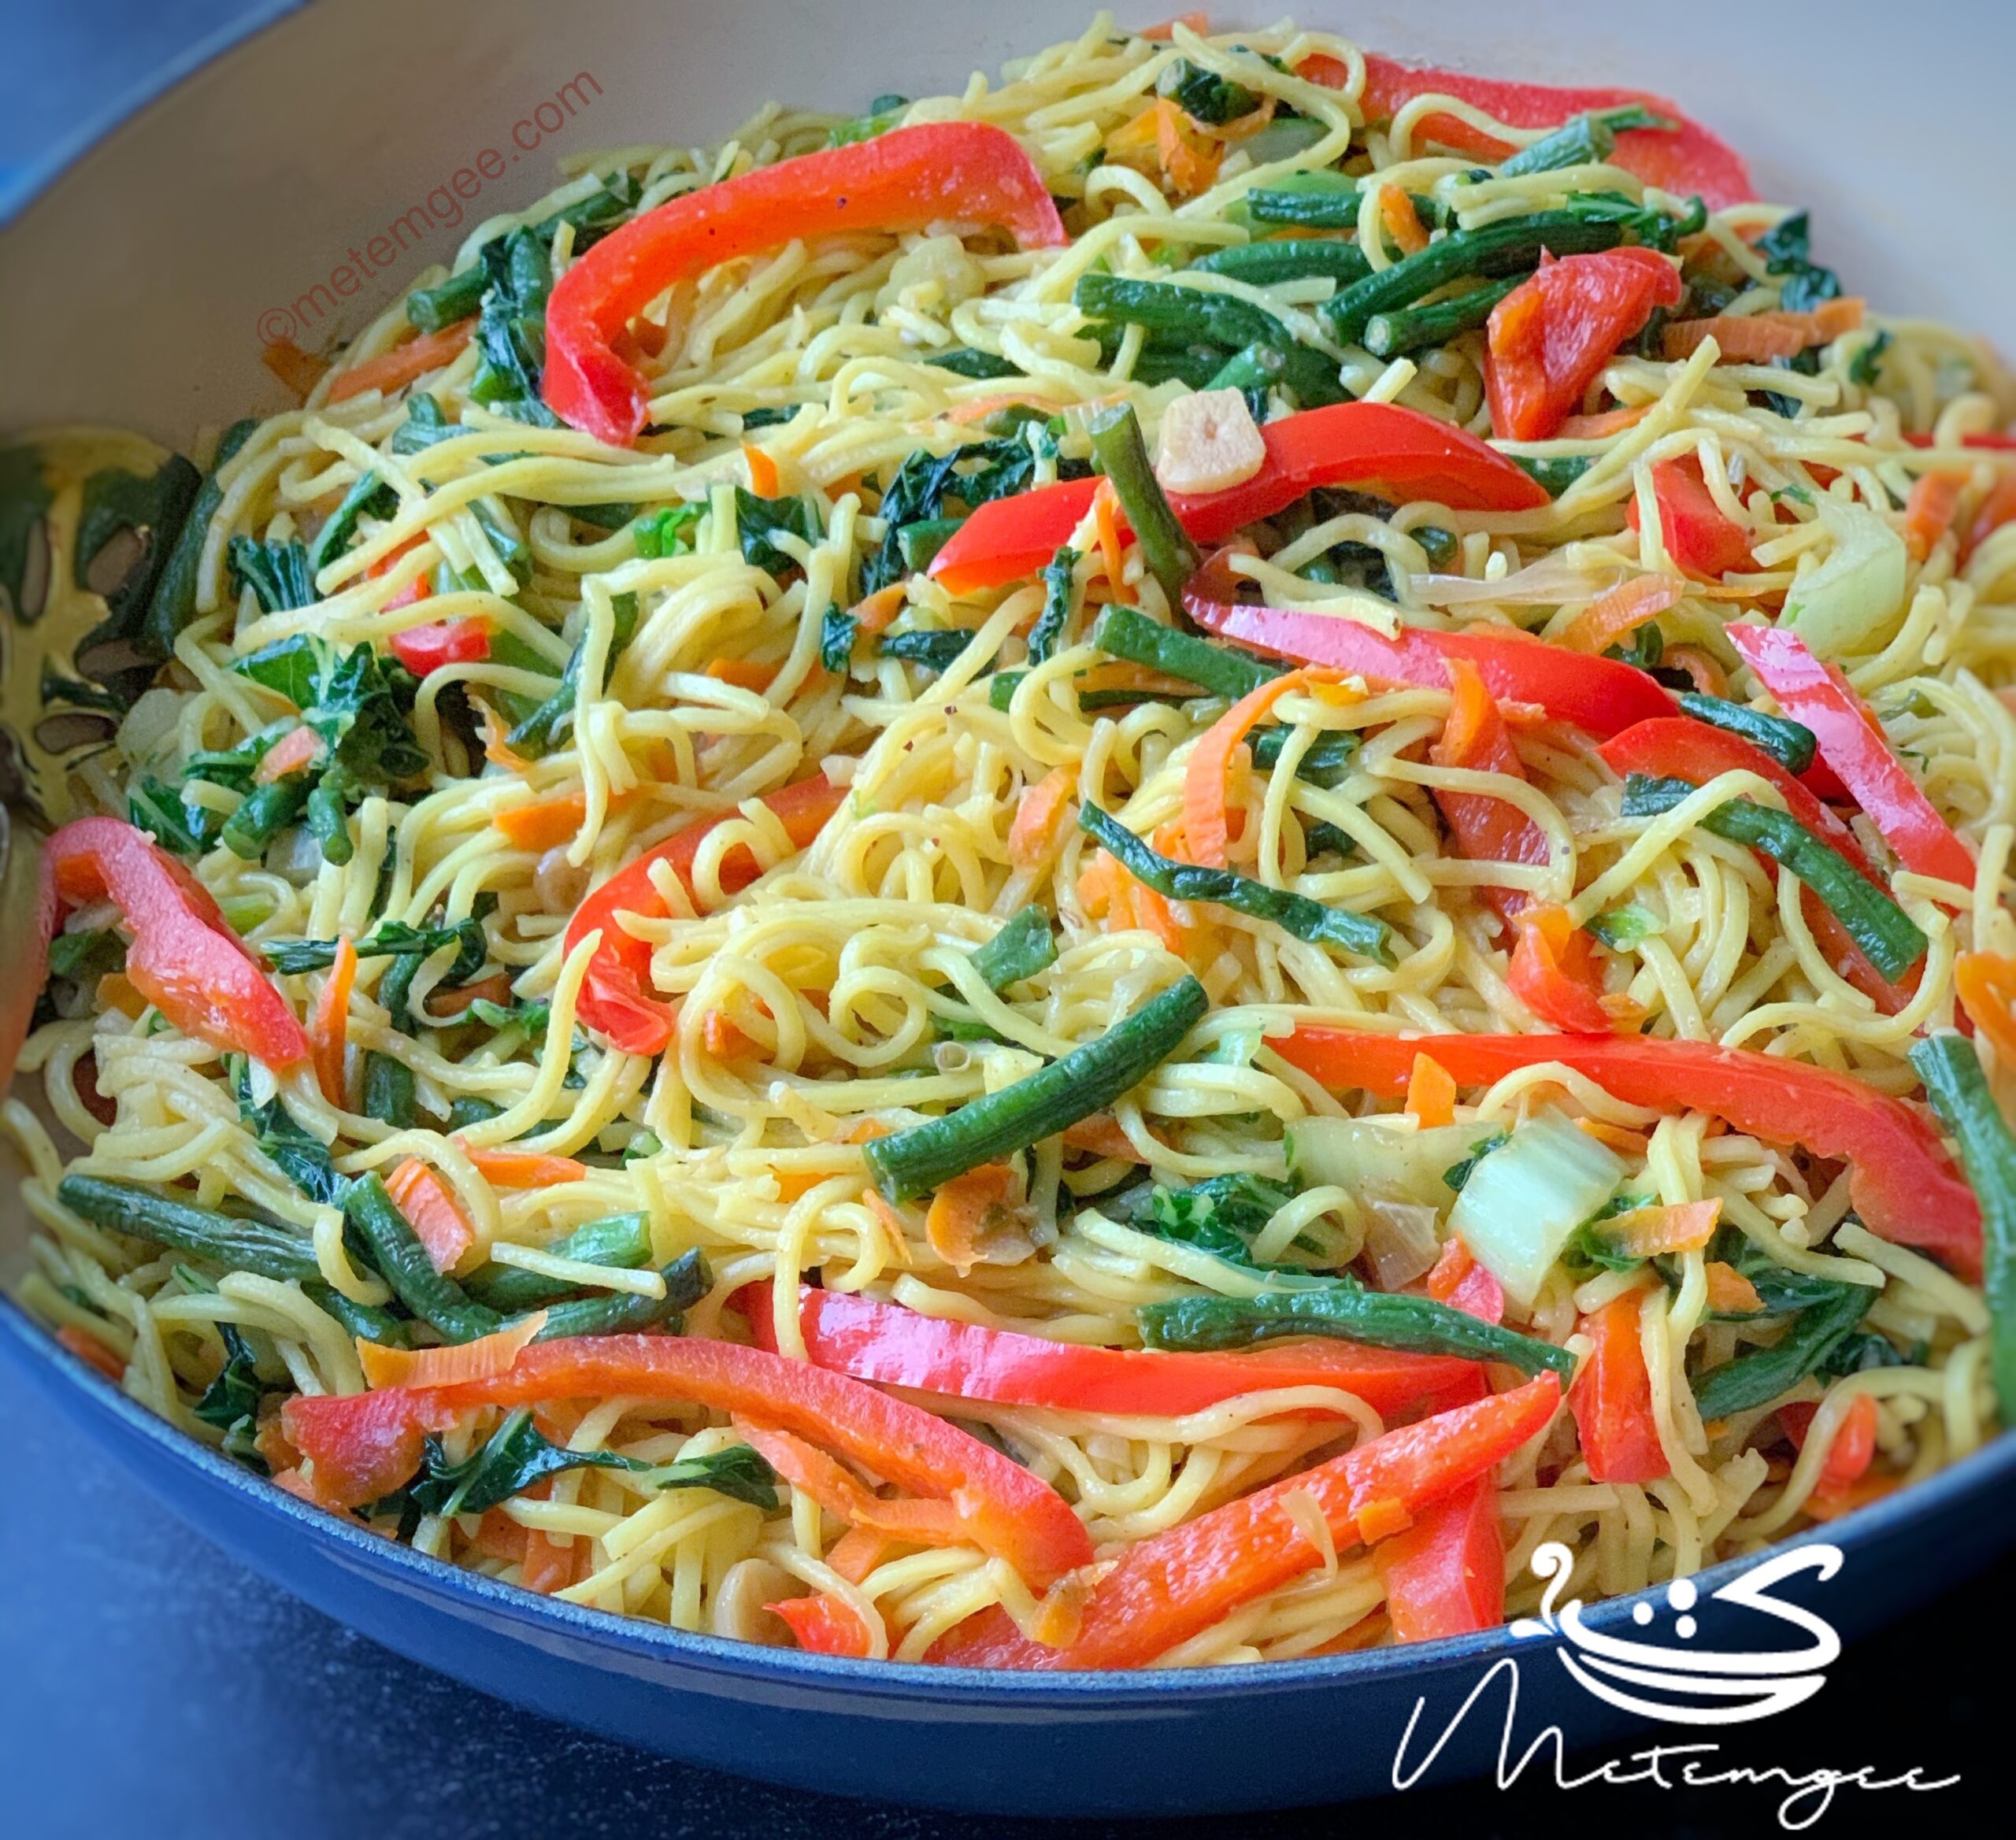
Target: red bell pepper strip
pixel 966 172
pixel 1474 737
pixel 1854 1448
pixel 1683 160
pixel 893 1346
pixel 616 997
pixel 1612 1398
pixel 365 1445
pixel 1600 696
pixel 1555 973
pixel 1445 1575
pixel 1164 1589
pixel 824 1625
pixel 1851 743
pixel 1701 540
pixel 184 958
pixel 1992 441
pixel 1550 338
pixel 1398 453
pixel 1457 1280
pixel 1903 1183
pixel 424 650
pixel 1674 748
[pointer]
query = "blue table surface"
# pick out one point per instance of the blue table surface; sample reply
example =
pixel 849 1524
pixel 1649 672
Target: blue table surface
pixel 149 1685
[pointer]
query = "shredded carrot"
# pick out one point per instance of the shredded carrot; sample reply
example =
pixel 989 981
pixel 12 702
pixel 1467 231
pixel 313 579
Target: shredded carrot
pixel 297 748
pixel 1645 1233
pixel 1400 221
pixel 763 479
pixel 838 1490
pixel 1039 818
pixel 1998 509
pixel 1061 1614
pixel 1600 428
pixel 968 1209
pixel 874 612
pixel 1431 1093
pixel 1710 678
pixel 1620 1137
pixel 1831 1501
pixel 522 1169
pixel 1098 886
pixel 1729 1292
pixel 895 1229
pixel 1189 158
pixel 857 1553
pixel 1367 1632
pixel 1106 519
pixel 546 824
pixel 1759 337
pixel 394 369
pixel 550 1560
pixel 93 1353
pixel 294 367
pixel 421 1194
pixel 1613 616
pixel 1985 982
pixel 1206 780
pixel 825 1625
pixel 497 748
pixel 329 1026
pixel 1929 511
pixel 1155 912
pixel 1103 1135
pixel 459 1362
pixel 743 673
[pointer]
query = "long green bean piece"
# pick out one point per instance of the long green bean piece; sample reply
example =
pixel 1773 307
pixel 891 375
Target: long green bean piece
pixel 264 1248
pixel 1409 328
pixel 1123 457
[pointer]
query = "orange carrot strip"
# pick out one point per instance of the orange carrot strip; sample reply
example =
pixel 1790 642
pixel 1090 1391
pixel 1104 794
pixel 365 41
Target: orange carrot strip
pixel 1759 337
pixel 1106 519
pixel 1101 1134
pixel 1622 611
pixel 1400 221
pixel 874 612
pixel 329 1026
pixel 857 1553
pixel 93 1353
pixel 1985 982
pixel 546 824
pixel 297 748
pixel 1431 1093
pixel 1207 780
pixel 1709 677
pixel 522 1169
pixel 294 367
pixel 483 1359
pixel 965 1209
pixel 763 479
pixel 1646 1233
pixel 420 1193
pixel 1600 428
pixel 743 673
pixel 1729 1292
pixel 1039 818
pixel 394 369
pixel 724 1040
pixel 1929 511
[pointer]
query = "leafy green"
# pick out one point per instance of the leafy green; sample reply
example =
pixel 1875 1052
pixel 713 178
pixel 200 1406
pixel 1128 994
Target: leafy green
pixel 85 958
pixel 510 332
pixel 1220 1216
pixel 1787 250
pixel 665 531
pixel 278 574
pixel 393 938
pixel 927 486
pixel 510 1461
pixel 1204 95
pixel 1589 1248
pixel 1457 1174
pixel 302 1157
pixel 838 630
pixel 1866 367
pixel 356 701
pixel 369 498
pixel 230 1401
pixel 882 114
pixel 936 651
pixel 757 520
pixel 24 501
pixel 548 725
pixel 740 1472
pixel 1623 928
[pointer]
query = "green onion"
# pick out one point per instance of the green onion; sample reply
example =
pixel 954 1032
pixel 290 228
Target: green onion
pixel 1586 138
pixel 1888 936
pixel 1764 1373
pixel 1123 457
pixel 1261 264
pixel 1126 632
pixel 1375 1318
pixel 403 1261
pixel 1409 328
pixel 1790 743
pixel 264 1248
pixel 1308 920
pixel 1025 946
pixel 1086 1080
pixel 1959 1093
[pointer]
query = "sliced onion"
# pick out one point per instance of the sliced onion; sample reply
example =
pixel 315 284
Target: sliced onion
pixel 1556 578
pixel 1401 1239
pixel 1850 601
pixel 1521 1203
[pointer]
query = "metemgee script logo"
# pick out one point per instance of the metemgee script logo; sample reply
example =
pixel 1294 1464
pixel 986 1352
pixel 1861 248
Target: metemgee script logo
pixel 1669 1678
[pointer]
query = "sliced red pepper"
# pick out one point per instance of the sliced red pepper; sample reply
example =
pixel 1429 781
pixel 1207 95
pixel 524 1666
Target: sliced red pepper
pixel 1612 1398
pixel 1600 696
pixel 1701 538
pixel 893 1346
pixel 965 172
pixel 1992 441
pixel 366 1445
pixel 616 996
pixel 1685 159
pixel 1902 1182
pixel 1459 1281
pixel 1166 1588
pixel 1555 973
pixel 1474 737
pixel 1550 338
pixel 1820 697
pixel 1397 453
pixel 1854 1448
pixel 824 1625
pixel 1997 508
pixel 1445 1575
pixel 424 650
pixel 184 958
pixel 1675 748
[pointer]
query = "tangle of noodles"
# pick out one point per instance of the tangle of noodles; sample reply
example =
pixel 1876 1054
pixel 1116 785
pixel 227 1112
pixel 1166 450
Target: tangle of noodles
pixel 835 999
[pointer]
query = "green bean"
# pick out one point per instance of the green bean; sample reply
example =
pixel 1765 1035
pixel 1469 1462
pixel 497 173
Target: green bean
pixel 1513 246
pixel 363 1320
pixel 1762 1374
pixel 403 1263
pixel 1416 1325
pixel 1588 138
pixel 1258 367
pixel 1023 947
pixel 1327 760
pixel 388 1091
pixel 266 811
pixel 1261 264
pixel 1124 632
pixel 1888 936
pixel 1308 920
pixel 1086 1080
pixel 1790 743
pixel 622 1312
pixel 1409 328
pixel 622 1240
pixel 1307 201
pixel 1960 1094
pixel 1123 457
pixel 962 361
pixel 1168 311
pixel 265 1248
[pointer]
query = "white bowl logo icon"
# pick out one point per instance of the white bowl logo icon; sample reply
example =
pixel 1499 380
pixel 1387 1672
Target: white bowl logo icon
pixel 1677 1682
